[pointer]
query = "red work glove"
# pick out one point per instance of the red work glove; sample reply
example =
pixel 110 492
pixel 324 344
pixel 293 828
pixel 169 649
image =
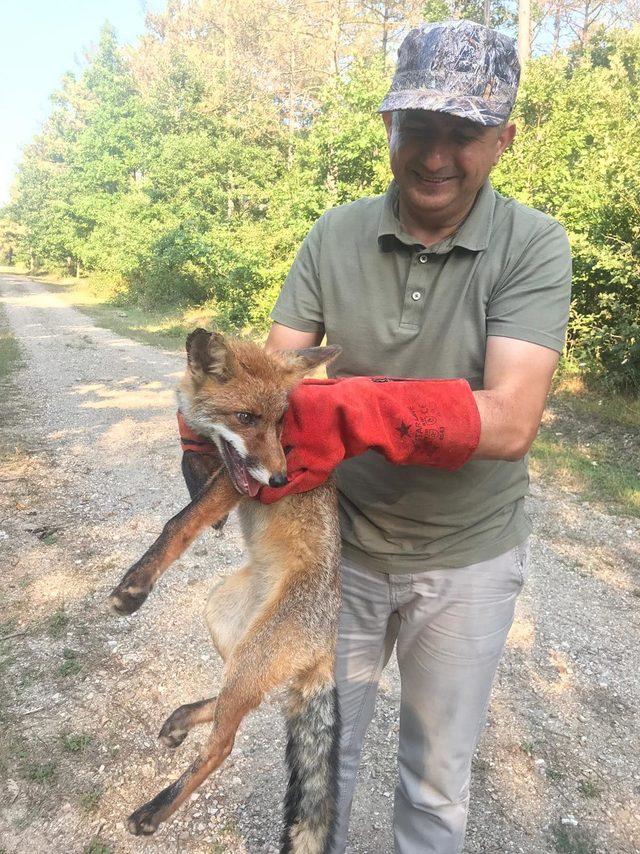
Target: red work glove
pixel 410 422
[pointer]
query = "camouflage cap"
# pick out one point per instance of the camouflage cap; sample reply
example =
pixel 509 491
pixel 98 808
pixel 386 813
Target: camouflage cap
pixel 457 67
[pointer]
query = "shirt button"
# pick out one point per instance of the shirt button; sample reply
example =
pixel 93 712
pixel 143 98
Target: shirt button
pixel 423 258
pixel 416 295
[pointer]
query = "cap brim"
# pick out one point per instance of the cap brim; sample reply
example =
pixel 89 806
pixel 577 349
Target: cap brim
pixel 481 111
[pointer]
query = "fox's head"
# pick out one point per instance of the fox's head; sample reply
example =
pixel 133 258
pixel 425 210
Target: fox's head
pixel 236 395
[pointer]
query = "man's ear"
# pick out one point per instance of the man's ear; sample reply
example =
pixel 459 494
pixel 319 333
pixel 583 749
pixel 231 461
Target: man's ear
pixel 387 118
pixel 505 138
pixel 309 358
pixel 208 353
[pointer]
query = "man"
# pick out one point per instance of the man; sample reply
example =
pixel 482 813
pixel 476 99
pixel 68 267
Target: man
pixel 443 278
pixel 439 278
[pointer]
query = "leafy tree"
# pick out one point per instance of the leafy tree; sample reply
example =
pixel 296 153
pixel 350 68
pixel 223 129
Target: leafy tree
pixel 503 15
pixel 187 170
pixel 11 234
pixel 574 157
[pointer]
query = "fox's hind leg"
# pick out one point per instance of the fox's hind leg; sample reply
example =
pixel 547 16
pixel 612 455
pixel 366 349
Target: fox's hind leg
pixel 230 609
pixel 146 819
pixel 274 650
pixel 184 718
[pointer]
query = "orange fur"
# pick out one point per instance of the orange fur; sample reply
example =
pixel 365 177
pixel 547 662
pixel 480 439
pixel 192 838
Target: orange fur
pixel 274 622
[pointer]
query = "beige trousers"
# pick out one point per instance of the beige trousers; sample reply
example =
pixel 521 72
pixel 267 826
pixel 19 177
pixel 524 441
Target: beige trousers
pixel 449 627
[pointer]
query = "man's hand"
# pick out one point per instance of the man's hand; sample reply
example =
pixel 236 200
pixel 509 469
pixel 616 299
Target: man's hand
pixel 410 422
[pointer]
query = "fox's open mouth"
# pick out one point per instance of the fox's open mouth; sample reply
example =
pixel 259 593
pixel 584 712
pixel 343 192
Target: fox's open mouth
pixel 238 471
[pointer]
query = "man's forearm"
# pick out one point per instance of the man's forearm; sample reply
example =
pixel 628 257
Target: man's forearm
pixel 284 338
pixel 506 431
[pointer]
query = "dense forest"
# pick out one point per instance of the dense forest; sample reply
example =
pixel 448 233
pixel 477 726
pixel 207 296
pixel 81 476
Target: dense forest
pixel 185 170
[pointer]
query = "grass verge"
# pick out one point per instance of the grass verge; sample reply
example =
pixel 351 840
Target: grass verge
pixel 10 355
pixel 570 389
pixel 571 840
pixel 590 474
pixel 590 445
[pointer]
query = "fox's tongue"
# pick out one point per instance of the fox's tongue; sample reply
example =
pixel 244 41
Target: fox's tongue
pixel 248 484
pixel 240 476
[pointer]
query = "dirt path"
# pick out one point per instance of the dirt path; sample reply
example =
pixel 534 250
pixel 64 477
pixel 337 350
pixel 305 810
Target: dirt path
pixel 90 471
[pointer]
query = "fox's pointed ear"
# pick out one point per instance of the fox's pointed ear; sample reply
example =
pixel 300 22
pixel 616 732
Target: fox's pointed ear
pixel 207 353
pixel 308 358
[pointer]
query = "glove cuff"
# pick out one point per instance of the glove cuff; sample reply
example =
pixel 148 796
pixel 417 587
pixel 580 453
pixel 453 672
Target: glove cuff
pixel 191 441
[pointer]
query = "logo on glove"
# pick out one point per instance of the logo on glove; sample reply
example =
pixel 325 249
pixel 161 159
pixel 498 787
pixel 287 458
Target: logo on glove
pixel 423 429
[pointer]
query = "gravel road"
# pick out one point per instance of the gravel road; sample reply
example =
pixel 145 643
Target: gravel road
pixel 90 472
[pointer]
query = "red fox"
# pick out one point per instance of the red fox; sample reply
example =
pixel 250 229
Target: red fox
pixel 275 621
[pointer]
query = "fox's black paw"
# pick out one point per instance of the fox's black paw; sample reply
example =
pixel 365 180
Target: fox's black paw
pixel 171 734
pixel 125 601
pixel 143 822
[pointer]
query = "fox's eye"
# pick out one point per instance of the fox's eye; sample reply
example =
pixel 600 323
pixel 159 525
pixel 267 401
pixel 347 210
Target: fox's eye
pixel 246 418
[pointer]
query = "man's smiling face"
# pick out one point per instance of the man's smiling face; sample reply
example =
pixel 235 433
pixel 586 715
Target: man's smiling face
pixel 440 161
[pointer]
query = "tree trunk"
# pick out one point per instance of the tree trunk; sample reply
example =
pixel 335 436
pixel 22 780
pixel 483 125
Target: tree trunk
pixel 586 24
pixel 231 208
pixel 487 13
pixel 524 31
pixel 291 116
pixel 385 35
pixel 228 46
pixel 334 64
pixel 557 24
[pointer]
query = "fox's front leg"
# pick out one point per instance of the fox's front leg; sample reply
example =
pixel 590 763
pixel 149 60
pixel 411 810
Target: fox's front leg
pixel 215 502
pixel 197 470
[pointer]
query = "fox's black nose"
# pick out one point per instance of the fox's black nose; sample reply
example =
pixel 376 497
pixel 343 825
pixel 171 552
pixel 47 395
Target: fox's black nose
pixel 278 479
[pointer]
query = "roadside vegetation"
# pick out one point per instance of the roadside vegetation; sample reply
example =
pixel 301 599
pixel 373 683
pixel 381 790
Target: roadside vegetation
pixel 174 181
pixel 180 175
pixel 10 356
pixel 589 443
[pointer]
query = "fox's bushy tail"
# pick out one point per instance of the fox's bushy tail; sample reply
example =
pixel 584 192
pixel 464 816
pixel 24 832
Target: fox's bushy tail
pixel 310 808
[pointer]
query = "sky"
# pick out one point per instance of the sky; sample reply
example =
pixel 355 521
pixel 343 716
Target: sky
pixel 41 40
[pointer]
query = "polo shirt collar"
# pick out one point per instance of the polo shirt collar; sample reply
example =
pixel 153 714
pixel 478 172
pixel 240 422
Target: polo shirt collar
pixel 473 234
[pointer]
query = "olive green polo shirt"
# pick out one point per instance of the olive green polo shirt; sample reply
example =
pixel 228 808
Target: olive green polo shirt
pixel 398 308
